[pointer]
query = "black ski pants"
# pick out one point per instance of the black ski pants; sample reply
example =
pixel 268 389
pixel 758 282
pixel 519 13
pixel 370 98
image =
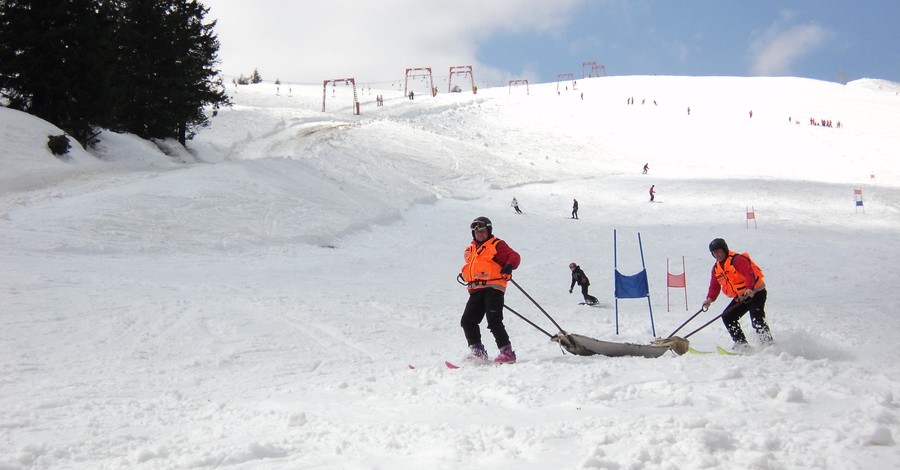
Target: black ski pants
pixel 588 298
pixel 757 309
pixel 484 303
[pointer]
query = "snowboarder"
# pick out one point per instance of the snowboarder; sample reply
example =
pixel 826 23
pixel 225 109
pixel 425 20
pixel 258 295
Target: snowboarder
pixel 578 277
pixel 742 280
pixel 652 192
pixel 515 205
pixel 574 208
pixel 489 266
pixel 646 168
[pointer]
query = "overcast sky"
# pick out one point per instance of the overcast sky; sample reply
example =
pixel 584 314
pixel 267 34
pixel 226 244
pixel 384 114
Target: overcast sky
pixel 303 41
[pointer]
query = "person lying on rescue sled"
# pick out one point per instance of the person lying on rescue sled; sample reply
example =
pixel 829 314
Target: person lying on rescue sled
pixel 740 278
pixel 488 269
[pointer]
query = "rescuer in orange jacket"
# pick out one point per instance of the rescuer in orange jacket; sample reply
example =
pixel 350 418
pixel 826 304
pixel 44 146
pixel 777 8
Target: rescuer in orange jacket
pixel 741 279
pixel 489 265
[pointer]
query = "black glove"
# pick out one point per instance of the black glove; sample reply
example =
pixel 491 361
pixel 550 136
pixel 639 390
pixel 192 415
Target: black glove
pixel 506 269
pixel 570 291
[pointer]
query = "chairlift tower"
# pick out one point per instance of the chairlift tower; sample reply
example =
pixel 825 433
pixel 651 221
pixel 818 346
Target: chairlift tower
pixel 595 69
pixel 347 81
pixel 517 83
pixel 462 70
pixel 561 76
pixel 419 72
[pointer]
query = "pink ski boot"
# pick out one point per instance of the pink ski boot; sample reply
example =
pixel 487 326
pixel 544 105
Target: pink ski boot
pixel 506 356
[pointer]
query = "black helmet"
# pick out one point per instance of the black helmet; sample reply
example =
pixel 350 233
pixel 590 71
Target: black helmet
pixel 481 222
pixel 718 244
pixel 572 265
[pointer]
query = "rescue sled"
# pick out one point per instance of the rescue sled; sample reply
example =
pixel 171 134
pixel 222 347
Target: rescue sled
pixel 581 345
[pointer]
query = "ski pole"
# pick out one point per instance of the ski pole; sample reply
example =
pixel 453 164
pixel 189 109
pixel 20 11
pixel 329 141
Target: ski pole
pixel 527 320
pixel 536 304
pixel 702 309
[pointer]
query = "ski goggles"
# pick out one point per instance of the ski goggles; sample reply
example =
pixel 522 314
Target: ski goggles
pixel 478 225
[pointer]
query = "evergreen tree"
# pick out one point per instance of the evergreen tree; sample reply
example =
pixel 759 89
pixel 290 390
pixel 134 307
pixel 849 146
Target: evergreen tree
pixel 54 61
pixel 255 77
pixel 199 82
pixel 142 66
pixel 168 67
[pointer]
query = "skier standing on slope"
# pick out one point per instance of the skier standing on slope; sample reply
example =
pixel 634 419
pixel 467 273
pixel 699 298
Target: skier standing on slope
pixel 489 266
pixel 741 279
pixel 574 208
pixel 580 278
pixel 652 192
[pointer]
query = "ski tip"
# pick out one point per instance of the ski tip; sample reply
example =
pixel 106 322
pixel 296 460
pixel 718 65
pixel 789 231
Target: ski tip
pixel 726 352
pixel 451 365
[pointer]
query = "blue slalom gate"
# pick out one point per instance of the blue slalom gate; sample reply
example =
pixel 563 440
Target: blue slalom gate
pixel 634 286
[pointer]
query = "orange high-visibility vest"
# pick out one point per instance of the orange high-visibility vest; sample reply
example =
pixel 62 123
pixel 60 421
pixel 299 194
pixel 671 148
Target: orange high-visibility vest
pixel 732 282
pixel 480 270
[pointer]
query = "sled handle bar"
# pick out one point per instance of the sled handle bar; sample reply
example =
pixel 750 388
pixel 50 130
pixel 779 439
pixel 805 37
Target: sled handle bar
pixel 536 304
pixel 726 311
pixel 527 320
pixel 702 309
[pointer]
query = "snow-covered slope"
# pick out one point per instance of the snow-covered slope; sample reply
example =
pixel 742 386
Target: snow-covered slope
pixel 256 304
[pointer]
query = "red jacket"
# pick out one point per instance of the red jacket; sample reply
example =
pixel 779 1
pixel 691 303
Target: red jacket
pixel 506 255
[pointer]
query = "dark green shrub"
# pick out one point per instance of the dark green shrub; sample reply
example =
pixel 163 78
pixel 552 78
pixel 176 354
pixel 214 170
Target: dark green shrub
pixel 59 144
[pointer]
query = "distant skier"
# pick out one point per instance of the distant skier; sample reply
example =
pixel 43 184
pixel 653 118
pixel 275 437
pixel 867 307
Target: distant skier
pixel 574 208
pixel 515 205
pixel 578 277
pixel 741 279
pixel 488 269
pixel 646 168
pixel 652 192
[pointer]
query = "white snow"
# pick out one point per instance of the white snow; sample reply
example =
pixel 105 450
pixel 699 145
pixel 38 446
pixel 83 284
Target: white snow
pixel 256 303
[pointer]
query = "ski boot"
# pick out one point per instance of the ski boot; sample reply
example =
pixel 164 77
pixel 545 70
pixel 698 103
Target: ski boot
pixel 506 356
pixel 477 355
